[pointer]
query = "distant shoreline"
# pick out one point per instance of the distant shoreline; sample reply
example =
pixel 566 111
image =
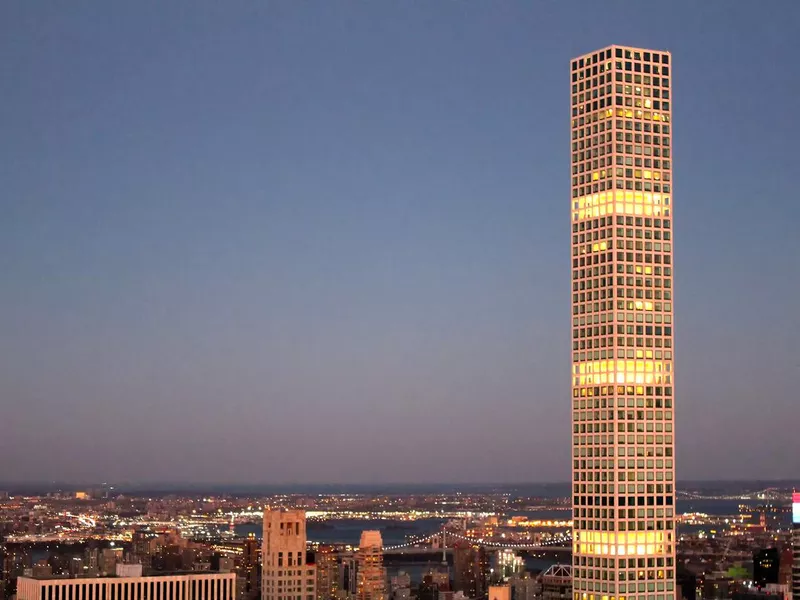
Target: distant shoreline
pixel 544 490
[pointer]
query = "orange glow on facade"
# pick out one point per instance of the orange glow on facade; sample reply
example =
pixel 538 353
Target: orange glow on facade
pixel 622 339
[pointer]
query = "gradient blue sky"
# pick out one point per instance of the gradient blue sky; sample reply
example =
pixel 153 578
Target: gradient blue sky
pixel 328 241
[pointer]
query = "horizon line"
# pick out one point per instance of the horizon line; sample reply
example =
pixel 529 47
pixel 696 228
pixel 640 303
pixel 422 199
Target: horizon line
pixel 196 483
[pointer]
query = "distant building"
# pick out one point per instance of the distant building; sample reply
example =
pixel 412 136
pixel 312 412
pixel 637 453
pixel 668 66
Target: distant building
pixel 42 569
pixel 77 567
pixel 427 590
pixel 766 567
pixel 168 559
pixel 524 587
pixel 400 586
pixel 286 572
pixel 250 569
pixel 772 592
pixel 557 583
pixel 796 546
pixel 400 581
pixel 405 594
pixel 371 575
pixel 2 565
pixel 133 570
pixel 439 577
pixel 785 570
pixel 221 563
pixel 686 583
pixel 435 583
pixel 110 558
pixel 771 516
pixel 508 563
pixel 452 596
pixel 348 582
pixel 188 586
pixel 470 570
pixel 143 548
pixel 327 561
pixel 499 592
pixel 16 562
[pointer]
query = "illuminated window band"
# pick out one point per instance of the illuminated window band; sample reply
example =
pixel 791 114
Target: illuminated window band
pixel 621 203
pixel 625 537
pixel 585 596
pixel 796 508
pixel 621 371
pixel 621 550
pixel 626 113
pixel 634 543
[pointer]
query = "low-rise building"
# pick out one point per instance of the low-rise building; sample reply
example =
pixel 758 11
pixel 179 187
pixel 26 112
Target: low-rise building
pixel 183 586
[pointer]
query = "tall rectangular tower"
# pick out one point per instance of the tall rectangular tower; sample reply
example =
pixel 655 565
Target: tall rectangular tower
pixel 623 471
pixel 371 574
pixel 327 563
pixel 287 575
pixel 796 546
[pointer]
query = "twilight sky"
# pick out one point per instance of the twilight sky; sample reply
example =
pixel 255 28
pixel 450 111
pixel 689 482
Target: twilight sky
pixel 329 241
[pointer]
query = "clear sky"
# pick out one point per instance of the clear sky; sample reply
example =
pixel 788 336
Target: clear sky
pixel 329 241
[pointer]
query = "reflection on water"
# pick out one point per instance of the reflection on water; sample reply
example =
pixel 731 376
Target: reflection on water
pixel 394 532
pixel 348 531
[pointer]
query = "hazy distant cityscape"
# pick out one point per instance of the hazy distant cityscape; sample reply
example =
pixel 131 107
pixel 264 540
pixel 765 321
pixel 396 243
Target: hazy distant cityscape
pixel 445 543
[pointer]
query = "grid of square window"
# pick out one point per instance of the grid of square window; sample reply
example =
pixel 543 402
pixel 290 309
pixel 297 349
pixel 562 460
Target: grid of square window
pixel 622 379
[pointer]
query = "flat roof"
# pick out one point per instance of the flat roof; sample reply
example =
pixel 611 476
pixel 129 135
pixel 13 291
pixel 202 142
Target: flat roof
pixel 156 575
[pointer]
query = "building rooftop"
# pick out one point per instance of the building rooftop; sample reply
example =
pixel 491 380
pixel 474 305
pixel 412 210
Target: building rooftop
pixel 155 575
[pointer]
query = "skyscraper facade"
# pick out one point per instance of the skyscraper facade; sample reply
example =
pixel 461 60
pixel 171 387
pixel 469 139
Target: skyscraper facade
pixel 188 586
pixel 286 573
pixel 371 574
pixel 766 567
pixel 471 570
pixel 622 353
pixel 327 563
pixel 250 569
pixel 796 546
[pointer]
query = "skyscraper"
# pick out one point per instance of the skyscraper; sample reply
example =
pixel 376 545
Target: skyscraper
pixel 327 562
pixel 371 575
pixel 470 570
pixel 622 355
pixel 766 567
pixel 796 546
pixel 250 569
pixel 287 575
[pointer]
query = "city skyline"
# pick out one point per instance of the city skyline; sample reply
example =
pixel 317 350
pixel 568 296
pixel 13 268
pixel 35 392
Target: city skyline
pixel 350 220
